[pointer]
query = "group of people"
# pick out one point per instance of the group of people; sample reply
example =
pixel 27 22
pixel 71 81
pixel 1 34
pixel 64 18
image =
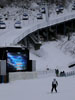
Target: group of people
pixel 62 73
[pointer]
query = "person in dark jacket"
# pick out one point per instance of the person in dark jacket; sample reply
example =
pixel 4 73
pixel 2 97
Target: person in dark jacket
pixel 54 85
pixel 57 72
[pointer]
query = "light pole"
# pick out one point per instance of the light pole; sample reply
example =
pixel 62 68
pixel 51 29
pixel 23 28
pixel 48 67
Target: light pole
pixel 47 17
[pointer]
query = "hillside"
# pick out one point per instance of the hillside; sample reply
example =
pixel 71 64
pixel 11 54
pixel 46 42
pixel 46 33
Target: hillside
pixel 50 56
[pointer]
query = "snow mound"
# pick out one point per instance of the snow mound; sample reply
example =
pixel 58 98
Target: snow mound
pixel 39 53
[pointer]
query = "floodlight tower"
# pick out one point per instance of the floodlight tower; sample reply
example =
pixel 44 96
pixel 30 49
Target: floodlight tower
pixel 47 17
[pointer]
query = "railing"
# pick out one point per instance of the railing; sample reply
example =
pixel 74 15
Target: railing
pixel 71 73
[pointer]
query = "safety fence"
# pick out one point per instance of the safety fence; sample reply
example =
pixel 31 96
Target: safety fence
pixel 30 75
pixel 66 74
pixel 71 73
pixel 13 76
pixel 47 73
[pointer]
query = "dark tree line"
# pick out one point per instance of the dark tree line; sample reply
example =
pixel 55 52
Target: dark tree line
pixel 8 2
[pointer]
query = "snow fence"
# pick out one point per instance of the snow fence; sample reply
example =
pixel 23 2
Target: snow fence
pixel 30 75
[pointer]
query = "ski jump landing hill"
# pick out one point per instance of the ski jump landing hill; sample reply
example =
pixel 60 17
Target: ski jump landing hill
pixel 13 36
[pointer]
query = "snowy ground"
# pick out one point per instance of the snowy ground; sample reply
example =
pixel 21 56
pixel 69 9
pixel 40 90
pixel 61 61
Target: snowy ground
pixel 38 89
pixel 50 56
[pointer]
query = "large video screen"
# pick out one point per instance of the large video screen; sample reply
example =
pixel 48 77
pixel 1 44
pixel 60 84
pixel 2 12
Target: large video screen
pixel 16 61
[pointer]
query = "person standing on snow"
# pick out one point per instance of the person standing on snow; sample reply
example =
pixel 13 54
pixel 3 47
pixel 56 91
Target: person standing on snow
pixel 57 72
pixel 54 85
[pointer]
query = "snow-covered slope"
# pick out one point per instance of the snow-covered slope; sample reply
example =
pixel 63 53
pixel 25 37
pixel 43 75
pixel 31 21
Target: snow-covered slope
pixel 50 56
pixel 38 89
